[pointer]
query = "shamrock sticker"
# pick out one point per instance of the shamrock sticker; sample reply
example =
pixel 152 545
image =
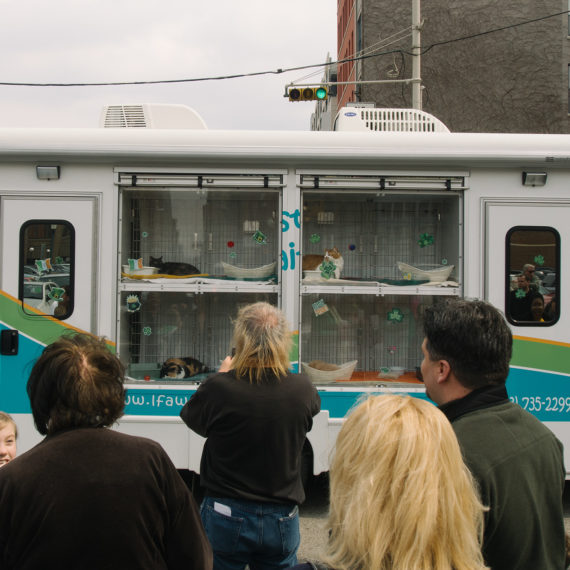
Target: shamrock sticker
pixel 327 269
pixel 520 294
pixel 315 238
pixel 320 307
pixel 259 237
pixel 147 331
pixel 133 304
pixel 425 240
pixel 539 259
pixel 395 316
pixel 56 293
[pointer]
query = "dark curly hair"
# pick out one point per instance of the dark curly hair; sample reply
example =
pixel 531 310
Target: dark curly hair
pixel 76 382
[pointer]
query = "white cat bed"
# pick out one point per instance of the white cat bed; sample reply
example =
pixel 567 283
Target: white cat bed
pixel 313 275
pixel 255 273
pixel 142 271
pixel 433 273
pixel 344 372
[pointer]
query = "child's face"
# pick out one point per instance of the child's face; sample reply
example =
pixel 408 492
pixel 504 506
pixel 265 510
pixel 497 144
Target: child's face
pixel 7 444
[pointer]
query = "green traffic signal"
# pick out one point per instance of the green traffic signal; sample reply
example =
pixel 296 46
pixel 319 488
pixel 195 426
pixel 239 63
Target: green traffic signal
pixel 321 93
pixel 308 94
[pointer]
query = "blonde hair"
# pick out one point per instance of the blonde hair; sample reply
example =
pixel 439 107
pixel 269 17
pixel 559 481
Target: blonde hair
pixel 401 496
pixel 262 340
pixel 6 419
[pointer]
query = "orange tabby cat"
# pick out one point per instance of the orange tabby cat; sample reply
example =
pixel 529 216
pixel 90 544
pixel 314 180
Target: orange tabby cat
pixel 312 261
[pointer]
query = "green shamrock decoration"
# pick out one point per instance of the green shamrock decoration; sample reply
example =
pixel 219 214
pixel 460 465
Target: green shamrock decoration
pixel 327 269
pixel 315 238
pixel 395 316
pixel 147 331
pixel 520 294
pixel 539 259
pixel 425 240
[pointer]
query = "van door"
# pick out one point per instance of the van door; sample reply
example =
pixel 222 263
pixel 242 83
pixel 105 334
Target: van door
pixel 507 250
pixel 537 233
pixel 31 269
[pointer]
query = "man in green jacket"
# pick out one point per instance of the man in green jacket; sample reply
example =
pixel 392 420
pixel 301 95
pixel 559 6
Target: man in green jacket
pixel 517 462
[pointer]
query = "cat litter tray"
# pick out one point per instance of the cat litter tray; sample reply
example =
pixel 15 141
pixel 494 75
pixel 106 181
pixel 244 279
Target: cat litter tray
pixel 143 271
pixel 316 376
pixel 261 272
pixel 433 273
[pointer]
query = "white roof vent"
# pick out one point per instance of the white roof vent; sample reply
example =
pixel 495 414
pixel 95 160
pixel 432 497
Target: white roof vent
pixel 388 120
pixel 150 116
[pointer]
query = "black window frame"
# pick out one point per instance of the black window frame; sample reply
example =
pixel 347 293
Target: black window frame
pixel 557 288
pixel 22 263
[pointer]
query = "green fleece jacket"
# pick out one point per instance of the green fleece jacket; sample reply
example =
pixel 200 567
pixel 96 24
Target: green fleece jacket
pixel 519 467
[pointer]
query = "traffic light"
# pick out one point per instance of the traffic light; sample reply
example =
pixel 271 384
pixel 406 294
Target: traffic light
pixel 307 93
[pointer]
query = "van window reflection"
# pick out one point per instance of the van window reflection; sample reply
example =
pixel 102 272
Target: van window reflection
pixel 46 267
pixel 533 255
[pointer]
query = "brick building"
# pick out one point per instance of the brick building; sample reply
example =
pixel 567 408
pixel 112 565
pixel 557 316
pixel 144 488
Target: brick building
pixel 512 80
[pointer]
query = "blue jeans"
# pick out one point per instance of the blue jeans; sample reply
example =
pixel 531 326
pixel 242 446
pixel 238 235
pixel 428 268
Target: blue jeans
pixel 263 535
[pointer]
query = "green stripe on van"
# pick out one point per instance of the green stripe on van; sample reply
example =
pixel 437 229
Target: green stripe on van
pixel 541 355
pixel 43 329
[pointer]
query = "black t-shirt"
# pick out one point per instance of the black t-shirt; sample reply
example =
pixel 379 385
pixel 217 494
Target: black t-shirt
pixel 254 435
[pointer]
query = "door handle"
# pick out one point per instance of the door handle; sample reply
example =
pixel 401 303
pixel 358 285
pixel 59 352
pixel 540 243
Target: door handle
pixel 9 343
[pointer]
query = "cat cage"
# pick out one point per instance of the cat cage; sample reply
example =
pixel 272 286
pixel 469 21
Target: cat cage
pixel 193 250
pixel 401 251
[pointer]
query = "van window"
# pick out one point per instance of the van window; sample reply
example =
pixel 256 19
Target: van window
pixel 532 276
pixel 47 267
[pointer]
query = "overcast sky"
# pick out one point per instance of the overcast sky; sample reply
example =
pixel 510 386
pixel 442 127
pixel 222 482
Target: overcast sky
pixel 87 41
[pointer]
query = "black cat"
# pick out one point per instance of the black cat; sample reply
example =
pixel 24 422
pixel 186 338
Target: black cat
pixel 172 267
pixel 182 368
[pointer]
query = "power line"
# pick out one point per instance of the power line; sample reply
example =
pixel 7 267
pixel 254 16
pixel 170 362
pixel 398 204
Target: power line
pixel 280 71
pixel 494 30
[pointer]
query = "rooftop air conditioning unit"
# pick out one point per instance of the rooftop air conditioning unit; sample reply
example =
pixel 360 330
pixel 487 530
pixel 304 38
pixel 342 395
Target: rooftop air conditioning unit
pixel 388 120
pixel 150 116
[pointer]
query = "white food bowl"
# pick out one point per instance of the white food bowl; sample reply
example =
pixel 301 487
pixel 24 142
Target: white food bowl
pixel 255 273
pixel 143 271
pixel 344 372
pixel 433 273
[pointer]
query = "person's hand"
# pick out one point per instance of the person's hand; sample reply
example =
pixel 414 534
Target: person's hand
pixel 226 365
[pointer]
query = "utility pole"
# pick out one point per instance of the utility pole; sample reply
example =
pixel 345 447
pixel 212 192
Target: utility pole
pixel 415 79
pixel 416 51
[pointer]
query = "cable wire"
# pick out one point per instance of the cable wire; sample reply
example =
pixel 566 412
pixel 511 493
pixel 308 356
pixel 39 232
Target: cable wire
pixel 279 71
